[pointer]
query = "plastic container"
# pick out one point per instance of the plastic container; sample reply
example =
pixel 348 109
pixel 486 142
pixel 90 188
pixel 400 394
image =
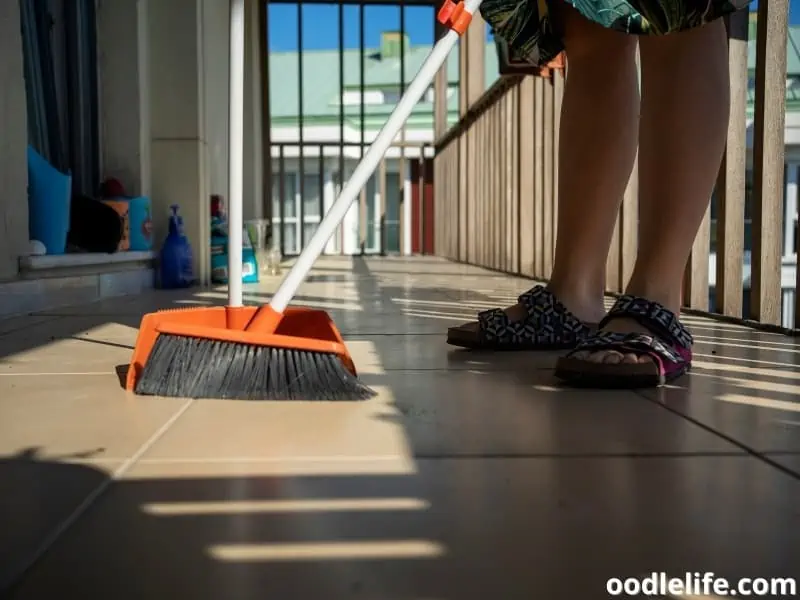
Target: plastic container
pixel 175 258
pixel 219 247
pixel 49 199
pixel 140 224
pixel 219 259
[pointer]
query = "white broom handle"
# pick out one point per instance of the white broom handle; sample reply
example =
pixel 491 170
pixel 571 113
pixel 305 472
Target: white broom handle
pixel 367 166
pixel 236 154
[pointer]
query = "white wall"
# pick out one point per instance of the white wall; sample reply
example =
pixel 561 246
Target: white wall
pixel 216 15
pixel 178 121
pixel 13 143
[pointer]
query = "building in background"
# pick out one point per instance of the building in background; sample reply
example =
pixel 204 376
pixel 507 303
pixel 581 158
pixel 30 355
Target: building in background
pixel 333 113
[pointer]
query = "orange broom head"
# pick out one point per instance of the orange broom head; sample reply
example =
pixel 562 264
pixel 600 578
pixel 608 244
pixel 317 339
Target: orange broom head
pixel 302 329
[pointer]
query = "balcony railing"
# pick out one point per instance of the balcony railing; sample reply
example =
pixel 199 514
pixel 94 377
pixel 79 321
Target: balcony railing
pixel 496 175
pixel 393 213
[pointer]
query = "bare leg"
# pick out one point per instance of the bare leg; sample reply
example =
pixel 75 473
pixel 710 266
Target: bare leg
pixel 684 117
pixel 599 130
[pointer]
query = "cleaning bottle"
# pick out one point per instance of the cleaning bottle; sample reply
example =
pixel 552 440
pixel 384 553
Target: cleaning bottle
pixel 175 264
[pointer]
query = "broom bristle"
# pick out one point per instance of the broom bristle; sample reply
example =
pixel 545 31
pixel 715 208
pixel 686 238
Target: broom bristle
pixel 187 367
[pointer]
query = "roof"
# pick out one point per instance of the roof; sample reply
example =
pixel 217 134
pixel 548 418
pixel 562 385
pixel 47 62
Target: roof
pixel 321 83
pixel 321 93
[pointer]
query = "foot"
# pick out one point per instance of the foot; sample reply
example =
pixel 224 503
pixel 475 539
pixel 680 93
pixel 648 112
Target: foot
pixel 539 321
pixel 614 357
pixel 640 344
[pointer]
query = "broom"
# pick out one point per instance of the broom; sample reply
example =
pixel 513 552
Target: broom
pixel 271 352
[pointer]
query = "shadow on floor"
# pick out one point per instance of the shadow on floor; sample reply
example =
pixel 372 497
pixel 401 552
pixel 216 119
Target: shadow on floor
pixel 519 532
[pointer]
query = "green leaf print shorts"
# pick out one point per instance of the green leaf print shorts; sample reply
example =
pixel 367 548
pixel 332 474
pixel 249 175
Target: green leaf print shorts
pixel 526 27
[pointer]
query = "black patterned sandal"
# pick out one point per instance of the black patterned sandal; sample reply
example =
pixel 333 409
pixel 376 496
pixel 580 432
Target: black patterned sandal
pixel 548 325
pixel 669 344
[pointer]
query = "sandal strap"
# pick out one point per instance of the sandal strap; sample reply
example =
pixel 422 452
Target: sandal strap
pixel 662 322
pixel 635 343
pixel 548 321
pixel 543 307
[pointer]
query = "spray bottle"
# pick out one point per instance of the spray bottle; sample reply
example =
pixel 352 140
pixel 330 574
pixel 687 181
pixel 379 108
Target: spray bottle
pixel 175 260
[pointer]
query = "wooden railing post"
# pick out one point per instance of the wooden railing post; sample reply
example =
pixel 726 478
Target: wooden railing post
pixel 730 191
pixel 768 155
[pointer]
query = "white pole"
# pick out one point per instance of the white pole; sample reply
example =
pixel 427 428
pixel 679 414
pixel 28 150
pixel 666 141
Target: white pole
pixel 236 151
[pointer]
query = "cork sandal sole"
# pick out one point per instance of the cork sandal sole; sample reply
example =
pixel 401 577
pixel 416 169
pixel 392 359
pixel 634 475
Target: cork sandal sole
pixel 578 372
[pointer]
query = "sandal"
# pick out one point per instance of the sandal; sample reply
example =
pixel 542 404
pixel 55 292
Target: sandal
pixel 547 326
pixel 669 344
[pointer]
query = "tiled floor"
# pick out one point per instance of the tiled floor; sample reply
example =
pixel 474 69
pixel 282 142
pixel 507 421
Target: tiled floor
pixel 471 476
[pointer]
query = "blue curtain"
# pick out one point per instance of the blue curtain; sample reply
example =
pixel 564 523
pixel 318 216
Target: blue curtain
pixel 81 65
pixel 72 146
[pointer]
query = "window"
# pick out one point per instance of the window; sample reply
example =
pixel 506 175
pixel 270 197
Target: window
pixel 393 212
pixel 290 242
pixel 311 196
pixel 286 237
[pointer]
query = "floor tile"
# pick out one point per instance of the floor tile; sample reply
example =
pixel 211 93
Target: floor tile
pixel 67 414
pixel 440 413
pixel 788 461
pixel 73 344
pixel 39 496
pixel 212 429
pixel 517 413
pixel 453 529
pixel 431 352
pixel 748 391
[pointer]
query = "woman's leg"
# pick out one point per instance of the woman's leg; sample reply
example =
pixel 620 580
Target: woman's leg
pixel 598 137
pixel 684 117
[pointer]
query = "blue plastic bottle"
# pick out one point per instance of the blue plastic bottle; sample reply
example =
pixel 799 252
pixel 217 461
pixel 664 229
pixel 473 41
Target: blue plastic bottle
pixel 175 264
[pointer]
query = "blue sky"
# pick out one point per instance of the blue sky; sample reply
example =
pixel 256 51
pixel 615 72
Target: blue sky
pixel 321 25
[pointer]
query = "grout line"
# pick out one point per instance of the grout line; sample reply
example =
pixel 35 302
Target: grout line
pixel 17 575
pixel 731 440
pixel 582 455
pixel 444 457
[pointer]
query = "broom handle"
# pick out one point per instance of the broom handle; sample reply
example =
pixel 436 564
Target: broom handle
pixel 367 166
pixel 236 153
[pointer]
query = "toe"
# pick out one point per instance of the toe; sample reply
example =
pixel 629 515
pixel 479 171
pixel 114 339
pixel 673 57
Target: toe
pixel 612 358
pixel 608 357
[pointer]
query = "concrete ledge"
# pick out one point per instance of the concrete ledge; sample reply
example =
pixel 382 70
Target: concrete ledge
pixel 64 265
pixel 26 296
pixel 36 263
